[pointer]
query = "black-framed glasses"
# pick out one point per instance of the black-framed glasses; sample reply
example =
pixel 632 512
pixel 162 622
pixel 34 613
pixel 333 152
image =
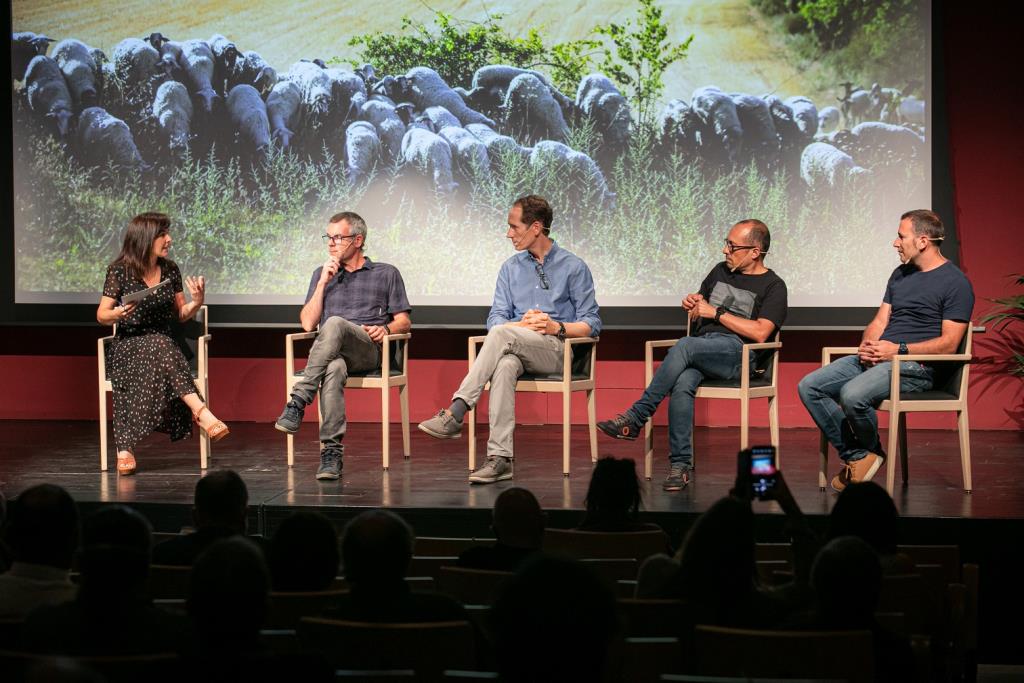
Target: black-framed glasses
pixel 336 239
pixel 543 278
pixel 733 248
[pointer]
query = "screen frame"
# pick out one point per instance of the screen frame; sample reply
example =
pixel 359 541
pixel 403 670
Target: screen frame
pixel 473 317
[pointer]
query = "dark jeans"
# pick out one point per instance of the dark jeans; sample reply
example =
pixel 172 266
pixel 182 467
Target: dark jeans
pixel 842 396
pixel 691 360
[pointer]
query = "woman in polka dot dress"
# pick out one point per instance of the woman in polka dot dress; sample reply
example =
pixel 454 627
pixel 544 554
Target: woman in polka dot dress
pixel 153 385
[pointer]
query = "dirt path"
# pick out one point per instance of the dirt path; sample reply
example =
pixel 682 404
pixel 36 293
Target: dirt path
pixel 732 48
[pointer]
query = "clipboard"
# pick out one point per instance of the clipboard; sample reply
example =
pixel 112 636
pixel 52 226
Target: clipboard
pixel 142 294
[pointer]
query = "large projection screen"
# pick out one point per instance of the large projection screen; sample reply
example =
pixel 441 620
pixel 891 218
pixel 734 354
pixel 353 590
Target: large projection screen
pixel 250 123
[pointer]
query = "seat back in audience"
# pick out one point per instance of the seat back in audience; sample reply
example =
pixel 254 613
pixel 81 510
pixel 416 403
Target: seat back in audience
pixel 15 666
pixel 638 545
pixel 645 660
pixel 947 556
pixel 764 552
pixel 287 608
pixel 652 618
pixel 437 546
pixel 845 655
pixel 168 582
pixel 427 648
pixel 471 586
pixel 429 565
pixel 361 676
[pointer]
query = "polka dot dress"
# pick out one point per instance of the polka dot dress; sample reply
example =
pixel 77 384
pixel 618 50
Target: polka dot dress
pixel 147 368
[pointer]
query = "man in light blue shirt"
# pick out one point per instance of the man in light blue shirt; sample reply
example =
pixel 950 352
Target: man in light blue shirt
pixel 543 296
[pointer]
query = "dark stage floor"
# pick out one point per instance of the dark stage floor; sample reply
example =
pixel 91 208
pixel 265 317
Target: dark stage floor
pixel 435 476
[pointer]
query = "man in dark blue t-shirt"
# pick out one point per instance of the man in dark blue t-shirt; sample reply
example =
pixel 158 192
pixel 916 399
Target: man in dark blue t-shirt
pixel 926 309
pixel 356 302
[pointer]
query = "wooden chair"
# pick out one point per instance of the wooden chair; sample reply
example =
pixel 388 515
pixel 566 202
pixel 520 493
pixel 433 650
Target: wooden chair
pixel 285 609
pixel 638 545
pixel 784 654
pixel 948 394
pixel 764 384
pixel 427 648
pixel 197 336
pixel 471 586
pixel 394 365
pixel 577 375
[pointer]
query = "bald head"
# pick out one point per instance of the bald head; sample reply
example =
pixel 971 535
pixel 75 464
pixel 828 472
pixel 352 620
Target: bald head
pixel 518 519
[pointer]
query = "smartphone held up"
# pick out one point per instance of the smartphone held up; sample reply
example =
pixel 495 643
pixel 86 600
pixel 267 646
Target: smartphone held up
pixel 760 466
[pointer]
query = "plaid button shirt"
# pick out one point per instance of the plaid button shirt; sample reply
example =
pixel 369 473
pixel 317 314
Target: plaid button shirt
pixel 371 295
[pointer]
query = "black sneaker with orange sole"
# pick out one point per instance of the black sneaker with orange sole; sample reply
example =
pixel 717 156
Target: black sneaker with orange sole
pixel 621 427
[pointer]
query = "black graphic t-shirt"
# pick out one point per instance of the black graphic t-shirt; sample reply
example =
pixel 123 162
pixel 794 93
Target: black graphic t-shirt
pixel 748 296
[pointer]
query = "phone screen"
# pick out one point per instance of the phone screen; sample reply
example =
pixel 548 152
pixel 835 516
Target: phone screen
pixel 762 469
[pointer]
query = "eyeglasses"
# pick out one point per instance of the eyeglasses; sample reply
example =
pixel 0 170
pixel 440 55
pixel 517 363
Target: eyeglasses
pixel 543 278
pixel 733 248
pixel 337 239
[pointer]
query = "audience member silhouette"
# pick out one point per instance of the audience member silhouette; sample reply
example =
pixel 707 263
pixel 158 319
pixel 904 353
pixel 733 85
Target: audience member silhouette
pixel 376 550
pixel 553 621
pixel 303 555
pixel 866 510
pixel 847 582
pixel 219 511
pixel 518 524
pixel 613 498
pixel 228 604
pixel 111 615
pixel 42 533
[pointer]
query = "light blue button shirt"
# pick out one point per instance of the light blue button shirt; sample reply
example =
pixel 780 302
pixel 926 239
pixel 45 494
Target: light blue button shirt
pixel 569 297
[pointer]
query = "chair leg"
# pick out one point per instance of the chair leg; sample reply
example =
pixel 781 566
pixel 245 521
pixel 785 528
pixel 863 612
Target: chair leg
pixel 648 447
pixel 103 429
pixel 963 428
pixel 773 425
pixel 592 423
pixel 204 449
pixel 904 451
pixel 566 430
pixel 471 417
pixel 744 423
pixel 403 400
pixel 291 450
pixel 823 460
pixel 890 462
pixel 385 424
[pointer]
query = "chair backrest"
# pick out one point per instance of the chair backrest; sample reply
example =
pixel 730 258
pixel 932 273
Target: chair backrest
pixel 471 586
pixel 784 654
pixel 950 376
pixel 287 608
pixel 427 648
pixel 596 544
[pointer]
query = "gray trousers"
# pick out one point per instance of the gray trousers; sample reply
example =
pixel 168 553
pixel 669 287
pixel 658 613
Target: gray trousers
pixel 340 348
pixel 507 353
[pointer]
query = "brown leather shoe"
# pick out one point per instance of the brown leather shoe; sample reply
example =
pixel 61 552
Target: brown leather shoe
pixel 865 468
pixel 840 481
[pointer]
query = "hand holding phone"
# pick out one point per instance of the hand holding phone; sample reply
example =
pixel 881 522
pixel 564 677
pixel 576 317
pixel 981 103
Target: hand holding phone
pixel 758 465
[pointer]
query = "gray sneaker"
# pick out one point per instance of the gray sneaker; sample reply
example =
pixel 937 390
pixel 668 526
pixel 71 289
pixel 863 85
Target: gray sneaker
pixel 678 478
pixel 495 469
pixel 291 418
pixel 330 463
pixel 442 426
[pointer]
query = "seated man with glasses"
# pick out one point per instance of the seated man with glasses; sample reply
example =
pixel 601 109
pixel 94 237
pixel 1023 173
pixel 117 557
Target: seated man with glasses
pixel 740 301
pixel 926 308
pixel 544 294
pixel 355 301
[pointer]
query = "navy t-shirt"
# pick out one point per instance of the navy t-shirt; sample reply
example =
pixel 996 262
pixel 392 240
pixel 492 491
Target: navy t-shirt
pixel 921 300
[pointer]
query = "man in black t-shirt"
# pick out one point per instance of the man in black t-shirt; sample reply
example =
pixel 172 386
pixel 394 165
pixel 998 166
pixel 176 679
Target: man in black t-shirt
pixel 740 301
pixel 926 309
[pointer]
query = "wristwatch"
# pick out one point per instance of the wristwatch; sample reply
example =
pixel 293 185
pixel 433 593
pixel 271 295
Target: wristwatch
pixel 719 312
pixel 903 349
pixel 561 331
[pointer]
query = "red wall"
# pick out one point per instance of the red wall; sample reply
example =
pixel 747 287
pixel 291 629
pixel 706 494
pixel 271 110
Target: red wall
pixel 986 127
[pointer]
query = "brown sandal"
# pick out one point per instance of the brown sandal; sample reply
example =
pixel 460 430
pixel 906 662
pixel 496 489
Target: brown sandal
pixel 217 431
pixel 126 466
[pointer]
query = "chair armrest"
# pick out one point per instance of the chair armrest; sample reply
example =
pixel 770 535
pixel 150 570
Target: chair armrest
pixel 289 349
pixel 660 343
pixel 300 336
pixel 762 345
pixel 471 344
pixel 581 340
pixel 828 351
pixel 479 339
pixel 567 347
pixel 398 336
pixel 935 357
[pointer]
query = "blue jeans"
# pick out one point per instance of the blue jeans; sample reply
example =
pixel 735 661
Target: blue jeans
pixel 842 396
pixel 692 359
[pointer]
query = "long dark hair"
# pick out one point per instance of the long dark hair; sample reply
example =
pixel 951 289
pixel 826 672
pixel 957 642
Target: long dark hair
pixel 138 240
